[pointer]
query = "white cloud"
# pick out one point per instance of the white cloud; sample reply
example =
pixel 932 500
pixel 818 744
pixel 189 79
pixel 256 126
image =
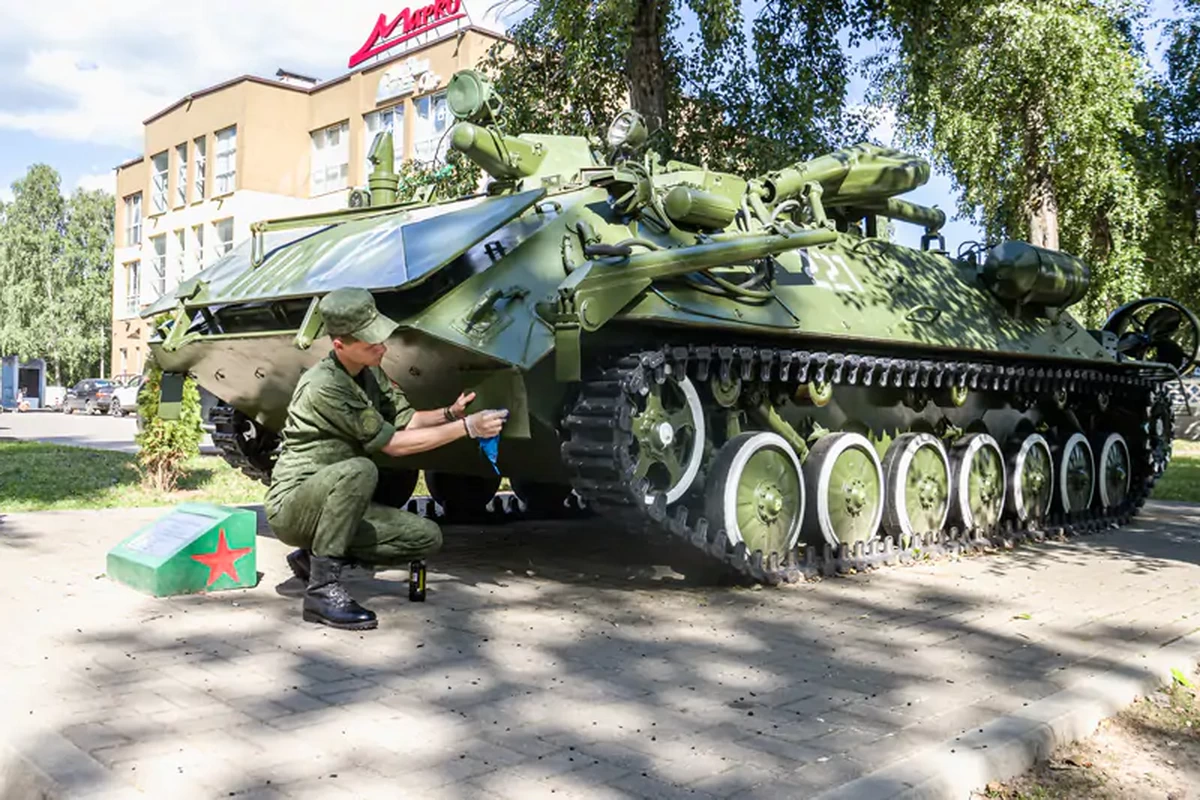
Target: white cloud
pixel 100 69
pixel 107 181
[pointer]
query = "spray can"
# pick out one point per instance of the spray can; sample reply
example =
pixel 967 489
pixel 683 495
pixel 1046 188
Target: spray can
pixel 416 581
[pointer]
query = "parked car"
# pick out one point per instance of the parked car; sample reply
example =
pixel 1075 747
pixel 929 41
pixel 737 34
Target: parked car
pixel 125 393
pixel 92 395
pixel 55 397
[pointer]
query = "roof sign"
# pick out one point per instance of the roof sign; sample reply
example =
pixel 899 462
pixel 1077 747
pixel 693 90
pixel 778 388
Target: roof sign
pixel 408 24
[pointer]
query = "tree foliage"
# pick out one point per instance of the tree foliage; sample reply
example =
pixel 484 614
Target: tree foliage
pixel 714 96
pixel 165 446
pixel 1033 109
pixel 1172 159
pixel 457 177
pixel 55 275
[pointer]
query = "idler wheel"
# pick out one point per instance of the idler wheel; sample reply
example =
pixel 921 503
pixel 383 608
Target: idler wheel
pixel 668 432
pixel 980 483
pixel 1115 469
pixel 756 493
pixel 1031 478
pixel 844 487
pixel 540 498
pixel 461 495
pixel 1076 474
pixel 917 474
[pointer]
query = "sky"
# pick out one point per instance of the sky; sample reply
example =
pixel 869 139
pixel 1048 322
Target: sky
pixel 78 77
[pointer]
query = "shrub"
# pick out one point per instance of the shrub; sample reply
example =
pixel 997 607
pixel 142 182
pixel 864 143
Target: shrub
pixel 164 446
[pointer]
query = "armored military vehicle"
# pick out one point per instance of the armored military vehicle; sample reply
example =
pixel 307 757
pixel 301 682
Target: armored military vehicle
pixel 749 364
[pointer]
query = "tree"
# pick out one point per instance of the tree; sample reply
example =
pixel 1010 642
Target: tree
pixel 165 446
pixel 84 315
pixel 1172 159
pixel 55 275
pixel 709 97
pixel 32 243
pixel 1033 109
pixel 457 177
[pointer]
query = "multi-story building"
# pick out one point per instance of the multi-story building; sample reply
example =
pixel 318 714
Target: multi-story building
pixel 253 148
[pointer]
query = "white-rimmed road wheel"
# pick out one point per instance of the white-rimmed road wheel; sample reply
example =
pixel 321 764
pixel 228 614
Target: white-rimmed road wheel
pixel 917 475
pixel 756 493
pixel 844 490
pixel 978 482
pixel 668 431
pixel 1030 478
pixel 1114 467
pixel 1076 474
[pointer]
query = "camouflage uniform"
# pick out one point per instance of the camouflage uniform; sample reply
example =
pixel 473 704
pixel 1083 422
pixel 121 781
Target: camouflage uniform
pixel 322 487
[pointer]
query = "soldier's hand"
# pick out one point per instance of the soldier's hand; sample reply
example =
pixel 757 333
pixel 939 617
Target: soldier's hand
pixel 486 424
pixel 458 409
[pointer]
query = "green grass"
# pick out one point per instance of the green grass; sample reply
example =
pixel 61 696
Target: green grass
pixel 37 477
pixel 1181 481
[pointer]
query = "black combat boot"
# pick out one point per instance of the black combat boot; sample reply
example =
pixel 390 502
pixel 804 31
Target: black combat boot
pixel 327 602
pixel 298 561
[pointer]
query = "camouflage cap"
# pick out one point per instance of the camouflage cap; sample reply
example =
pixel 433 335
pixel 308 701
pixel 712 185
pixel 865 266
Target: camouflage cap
pixel 352 312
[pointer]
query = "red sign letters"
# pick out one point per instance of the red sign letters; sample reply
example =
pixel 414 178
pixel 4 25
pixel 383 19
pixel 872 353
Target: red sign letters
pixel 411 22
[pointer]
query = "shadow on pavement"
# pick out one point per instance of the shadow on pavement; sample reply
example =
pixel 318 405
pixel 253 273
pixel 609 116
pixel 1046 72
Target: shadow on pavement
pixel 549 657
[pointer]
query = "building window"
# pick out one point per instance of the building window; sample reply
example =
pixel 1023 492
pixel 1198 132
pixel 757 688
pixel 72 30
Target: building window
pixel 160 264
pixel 224 230
pixel 180 253
pixel 198 247
pixel 226 160
pixel 133 219
pixel 201 147
pixel 430 128
pixel 330 158
pixel 133 286
pixel 388 119
pixel 181 174
pixel 158 186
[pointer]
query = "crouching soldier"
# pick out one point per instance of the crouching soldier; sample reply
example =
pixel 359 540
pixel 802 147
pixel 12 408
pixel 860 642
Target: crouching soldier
pixel 344 412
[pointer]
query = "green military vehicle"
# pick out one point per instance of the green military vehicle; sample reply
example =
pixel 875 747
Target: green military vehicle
pixel 750 365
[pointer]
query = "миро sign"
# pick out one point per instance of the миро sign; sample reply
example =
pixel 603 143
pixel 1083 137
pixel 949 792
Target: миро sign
pixel 410 22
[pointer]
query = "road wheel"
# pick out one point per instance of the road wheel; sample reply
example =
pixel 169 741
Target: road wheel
pixel 90 408
pixel 1031 478
pixel 114 408
pixel 756 493
pixel 917 472
pixel 844 489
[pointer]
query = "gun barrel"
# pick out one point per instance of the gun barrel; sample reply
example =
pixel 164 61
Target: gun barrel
pixel 852 176
pixel 931 219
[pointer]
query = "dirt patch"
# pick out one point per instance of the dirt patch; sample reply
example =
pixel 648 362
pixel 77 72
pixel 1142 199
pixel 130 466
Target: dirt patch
pixel 1149 750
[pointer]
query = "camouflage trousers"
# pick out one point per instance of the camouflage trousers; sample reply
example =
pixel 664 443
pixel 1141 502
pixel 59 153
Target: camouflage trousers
pixel 333 513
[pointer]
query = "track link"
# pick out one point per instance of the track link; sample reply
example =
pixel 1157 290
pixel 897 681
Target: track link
pixel 599 425
pixel 244 444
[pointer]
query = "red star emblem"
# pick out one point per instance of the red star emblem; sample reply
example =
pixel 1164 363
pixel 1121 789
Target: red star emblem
pixel 222 561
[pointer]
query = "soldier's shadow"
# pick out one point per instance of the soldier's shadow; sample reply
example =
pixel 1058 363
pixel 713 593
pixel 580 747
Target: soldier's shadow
pixel 587 551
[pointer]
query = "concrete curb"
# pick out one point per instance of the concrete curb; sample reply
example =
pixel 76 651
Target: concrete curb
pixel 1010 745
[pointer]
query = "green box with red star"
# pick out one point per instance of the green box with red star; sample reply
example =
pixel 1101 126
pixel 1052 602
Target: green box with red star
pixel 196 547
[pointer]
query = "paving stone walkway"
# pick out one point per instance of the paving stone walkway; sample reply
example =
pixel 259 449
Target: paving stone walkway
pixel 550 662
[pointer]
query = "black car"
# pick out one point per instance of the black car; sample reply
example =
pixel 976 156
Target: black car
pixel 93 395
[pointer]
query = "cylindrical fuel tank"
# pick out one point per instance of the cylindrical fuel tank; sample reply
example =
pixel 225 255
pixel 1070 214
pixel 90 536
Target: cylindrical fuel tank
pixel 688 206
pixel 1032 275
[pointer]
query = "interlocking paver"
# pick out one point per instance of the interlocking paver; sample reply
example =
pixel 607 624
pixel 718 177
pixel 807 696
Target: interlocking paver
pixel 591 681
